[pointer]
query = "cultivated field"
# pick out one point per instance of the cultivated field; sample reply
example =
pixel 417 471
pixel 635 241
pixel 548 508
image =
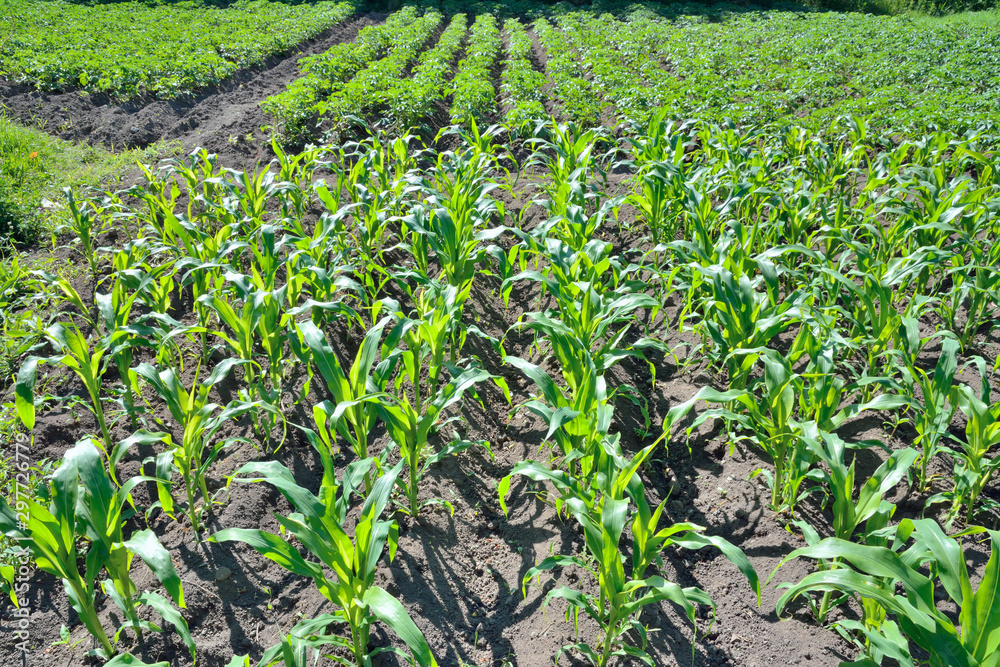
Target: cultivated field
pixel 480 334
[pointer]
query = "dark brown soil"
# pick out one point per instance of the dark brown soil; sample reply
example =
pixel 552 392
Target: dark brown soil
pixel 539 58
pixel 225 119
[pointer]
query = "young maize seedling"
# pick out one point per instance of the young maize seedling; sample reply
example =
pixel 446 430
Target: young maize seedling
pixel 293 651
pixel 578 418
pixel 583 327
pixel 115 310
pixel 413 405
pixel 771 421
pixel 199 421
pixel 295 176
pixel 262 318
pixel 567 151
pixel 203 257
pixel 913 618
pixel 849 513
pixel 85 503
pixel 450 224
pixel 974 467
pixel 973 299
pixel 575 224
pixel 382 163
pixel 940 396
pixel 410 423
pixel 701 222
pixel 74 353
pixel 624 592
pixel 159 284
pixel 375 198
pixel 659 189
pixel 160 194
pixel 777 433
pixel 355 407
pixel 253 192
pixel 317 524
pixel 65 293
pixel 872 311
pixel 328 288
pixel 739 318
pixel 660 142
pixel 84 223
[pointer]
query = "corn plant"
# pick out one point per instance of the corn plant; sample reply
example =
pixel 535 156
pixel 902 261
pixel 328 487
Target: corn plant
pixel 329 290
pixel 624 591
pixel 199 421
pixel 975 293
pixel 938 404
pixel 871 310
pixel 850 510
pixel 85 520
pixel 567 152
pixel 773 426
pixel 84 223
pixel 374 184
pixel 451 223
pixel 158 284
pixel 737 318
pixel 204 255
pixel 261 319
pixel 894 578
pixel 413 406
pixel 75 353
pixel 410 424
pixel 115 309
pixel 974 467
pixel 593 295
pixel 577 418
pixel 659 188
pixel 318 525
pixel 293 650
pixel 583 329
pixel 354 409
pixel 852 507
pixel 660 141
pixel 66 294
pixel 777 432
pixel 701 221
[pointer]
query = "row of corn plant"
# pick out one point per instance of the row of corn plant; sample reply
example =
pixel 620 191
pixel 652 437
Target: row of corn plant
pixel 807 271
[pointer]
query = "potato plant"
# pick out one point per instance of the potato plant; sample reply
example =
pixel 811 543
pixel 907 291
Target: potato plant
pixel 165 50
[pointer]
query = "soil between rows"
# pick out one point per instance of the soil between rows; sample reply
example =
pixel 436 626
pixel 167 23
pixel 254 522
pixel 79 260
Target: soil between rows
pixel 225 119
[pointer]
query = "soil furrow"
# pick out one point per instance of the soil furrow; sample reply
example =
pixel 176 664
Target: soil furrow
pixel 225 119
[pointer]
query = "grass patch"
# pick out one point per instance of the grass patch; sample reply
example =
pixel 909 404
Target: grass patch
pixel 35 167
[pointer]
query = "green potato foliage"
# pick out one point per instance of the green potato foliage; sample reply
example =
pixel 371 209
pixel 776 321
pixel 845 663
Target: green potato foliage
pixel 129 49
